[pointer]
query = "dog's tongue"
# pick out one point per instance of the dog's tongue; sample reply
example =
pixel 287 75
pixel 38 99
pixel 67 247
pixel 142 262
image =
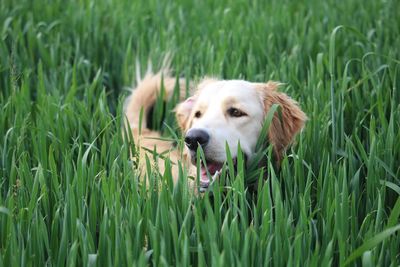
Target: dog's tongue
pixel 212 167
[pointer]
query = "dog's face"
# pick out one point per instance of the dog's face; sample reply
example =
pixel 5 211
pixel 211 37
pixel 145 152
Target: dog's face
pixel 231 113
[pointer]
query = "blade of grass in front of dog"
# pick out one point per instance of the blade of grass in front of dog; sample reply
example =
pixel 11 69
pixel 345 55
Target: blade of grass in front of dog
pixel 240 161
pixel 230 164
pixel 141 114
pixel 200 161
pixel 171 103
pixel 127 134
pixel 257 162
pixel 168 173
pixel 267 122
pixel 158 109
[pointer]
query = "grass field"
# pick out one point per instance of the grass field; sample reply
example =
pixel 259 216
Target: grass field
pixel 70 194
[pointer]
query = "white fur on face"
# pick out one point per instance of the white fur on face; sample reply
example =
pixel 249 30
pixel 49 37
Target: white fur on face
pixel 213 103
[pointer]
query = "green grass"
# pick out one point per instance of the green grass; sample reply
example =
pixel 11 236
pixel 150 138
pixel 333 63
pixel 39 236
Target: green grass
pixel 70 194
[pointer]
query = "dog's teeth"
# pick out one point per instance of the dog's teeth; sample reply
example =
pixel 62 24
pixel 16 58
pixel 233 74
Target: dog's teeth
pixel 216 174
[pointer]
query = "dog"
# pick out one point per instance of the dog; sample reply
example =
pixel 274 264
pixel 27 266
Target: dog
pixel 218 113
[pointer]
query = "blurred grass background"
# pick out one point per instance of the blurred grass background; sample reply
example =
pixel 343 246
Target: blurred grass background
pixel 69 193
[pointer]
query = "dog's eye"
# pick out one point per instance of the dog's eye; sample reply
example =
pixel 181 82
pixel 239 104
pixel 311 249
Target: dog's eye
pixel 197 114
pixel 234 112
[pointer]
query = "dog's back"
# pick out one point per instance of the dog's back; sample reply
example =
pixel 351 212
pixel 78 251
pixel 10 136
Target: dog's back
pixel 137 108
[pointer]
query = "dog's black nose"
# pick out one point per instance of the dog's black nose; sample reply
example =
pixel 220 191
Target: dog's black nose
pixel 194 137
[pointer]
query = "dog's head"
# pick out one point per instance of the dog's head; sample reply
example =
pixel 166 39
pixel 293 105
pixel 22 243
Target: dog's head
pixel 232 112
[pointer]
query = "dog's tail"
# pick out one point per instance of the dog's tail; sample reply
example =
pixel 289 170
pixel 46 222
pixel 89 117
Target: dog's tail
pixel 139 104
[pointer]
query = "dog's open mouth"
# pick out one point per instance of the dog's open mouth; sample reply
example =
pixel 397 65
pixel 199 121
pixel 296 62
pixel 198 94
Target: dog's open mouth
pixel 214 169
pixel 210 171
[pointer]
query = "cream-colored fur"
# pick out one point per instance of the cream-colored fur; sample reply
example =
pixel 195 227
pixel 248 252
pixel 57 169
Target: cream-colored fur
pixel 136 108
pixel 210 109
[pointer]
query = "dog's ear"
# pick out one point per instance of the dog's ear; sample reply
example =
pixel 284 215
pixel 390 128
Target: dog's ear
pixel 183 111
pixel 287 121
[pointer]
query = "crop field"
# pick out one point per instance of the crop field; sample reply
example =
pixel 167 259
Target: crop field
pixel 72 195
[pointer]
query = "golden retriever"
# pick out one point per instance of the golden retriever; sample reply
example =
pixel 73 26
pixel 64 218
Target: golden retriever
pixel 219 113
